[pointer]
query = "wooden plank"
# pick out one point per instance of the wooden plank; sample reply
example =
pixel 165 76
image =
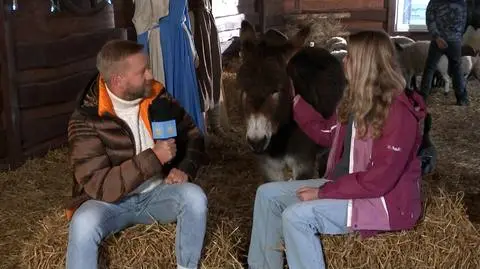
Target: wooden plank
pixel 8 86
pixel 365 14
pixel 41 149
pixel 48 74
pixel 335 4
pixel 63 89
pixel 289 6
pixel 33 22
pixel 353 26
pixel 39 113
pixel 263 15
pixel 36 131
pixel 67 50
pixel 391 9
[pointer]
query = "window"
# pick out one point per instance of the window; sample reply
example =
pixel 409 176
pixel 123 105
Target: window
pixel 410 15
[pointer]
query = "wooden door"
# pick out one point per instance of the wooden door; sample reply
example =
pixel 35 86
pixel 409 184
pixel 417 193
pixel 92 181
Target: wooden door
pixel 49 59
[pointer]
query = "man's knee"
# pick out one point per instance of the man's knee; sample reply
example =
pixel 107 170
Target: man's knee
pixel 194 198
pixel 85 224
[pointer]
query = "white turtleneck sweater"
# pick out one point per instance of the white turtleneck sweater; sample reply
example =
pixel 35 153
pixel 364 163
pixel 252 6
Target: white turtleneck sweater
pixel 129 111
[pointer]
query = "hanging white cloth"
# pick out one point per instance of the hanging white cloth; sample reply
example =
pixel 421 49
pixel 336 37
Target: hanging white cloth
pixel 145 19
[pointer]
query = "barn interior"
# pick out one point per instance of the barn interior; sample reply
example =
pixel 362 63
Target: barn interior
pixel 48 53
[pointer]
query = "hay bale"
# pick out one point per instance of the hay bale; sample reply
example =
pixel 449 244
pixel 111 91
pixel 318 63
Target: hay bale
pixel 444 239
pixel 34 232
pixel 324 26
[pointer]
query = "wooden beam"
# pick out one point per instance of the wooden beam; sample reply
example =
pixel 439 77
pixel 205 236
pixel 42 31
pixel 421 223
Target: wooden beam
pixel 58 90
pixel 39 75
pixel 391 7
pixel 64 51
pixel 363 14
pixel 263 15
pixel 35 131
pixel 9 91
pixel 317 5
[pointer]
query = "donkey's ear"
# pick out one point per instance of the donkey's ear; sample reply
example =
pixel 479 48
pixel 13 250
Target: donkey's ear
pixel 300 38
pixel 247 38
pixel 275 38
pixel 247 32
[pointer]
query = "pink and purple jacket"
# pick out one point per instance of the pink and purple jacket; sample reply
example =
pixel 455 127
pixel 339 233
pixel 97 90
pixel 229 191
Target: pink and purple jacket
pixel 383 183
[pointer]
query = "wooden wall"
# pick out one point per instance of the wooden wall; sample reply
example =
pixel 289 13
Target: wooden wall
pixel 49 59
pixel 354 14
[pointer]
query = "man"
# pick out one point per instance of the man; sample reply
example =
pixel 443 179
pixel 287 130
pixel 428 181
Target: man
pixel 446 21
pixel 122 176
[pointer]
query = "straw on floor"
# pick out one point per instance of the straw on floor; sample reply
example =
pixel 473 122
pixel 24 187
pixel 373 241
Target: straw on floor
pixel 34 231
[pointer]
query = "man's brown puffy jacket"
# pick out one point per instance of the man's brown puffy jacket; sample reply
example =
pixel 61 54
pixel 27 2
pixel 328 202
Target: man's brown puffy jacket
pixel 102 149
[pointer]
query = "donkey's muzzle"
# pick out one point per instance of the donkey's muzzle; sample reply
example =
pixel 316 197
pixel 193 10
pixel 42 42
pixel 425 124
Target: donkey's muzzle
pixel 258 145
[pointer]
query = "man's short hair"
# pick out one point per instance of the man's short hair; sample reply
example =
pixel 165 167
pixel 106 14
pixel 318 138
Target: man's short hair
pixel 112 53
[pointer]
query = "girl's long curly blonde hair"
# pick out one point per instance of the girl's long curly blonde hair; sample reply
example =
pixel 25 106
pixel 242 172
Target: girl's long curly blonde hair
pixel 374 79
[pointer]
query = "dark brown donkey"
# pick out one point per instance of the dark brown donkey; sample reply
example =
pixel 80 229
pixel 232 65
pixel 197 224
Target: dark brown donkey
pixel 271 64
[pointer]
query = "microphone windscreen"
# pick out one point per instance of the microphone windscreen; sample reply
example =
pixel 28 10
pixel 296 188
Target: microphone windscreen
pixel 163 123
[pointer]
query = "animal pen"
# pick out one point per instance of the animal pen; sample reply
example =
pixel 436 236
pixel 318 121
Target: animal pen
pixel 48 57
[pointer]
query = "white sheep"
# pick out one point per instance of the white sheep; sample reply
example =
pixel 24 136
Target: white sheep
pixel 476 67
pixel 413 57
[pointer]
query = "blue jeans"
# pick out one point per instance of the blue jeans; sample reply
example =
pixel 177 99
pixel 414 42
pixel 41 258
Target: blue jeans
pixel 94 220
pixel 453 53
pixel 278 214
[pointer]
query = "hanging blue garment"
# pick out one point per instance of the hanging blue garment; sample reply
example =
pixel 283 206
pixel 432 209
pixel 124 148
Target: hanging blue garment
pixel 178 60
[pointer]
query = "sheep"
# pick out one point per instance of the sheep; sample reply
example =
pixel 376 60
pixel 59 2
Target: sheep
pixel 412 58
pixel 471 37
pixel 475 68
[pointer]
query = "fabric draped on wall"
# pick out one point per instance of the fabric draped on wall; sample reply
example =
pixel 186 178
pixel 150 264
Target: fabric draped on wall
pixel 173 49
pixel 145 19
pixel 208 48
pixel 209 71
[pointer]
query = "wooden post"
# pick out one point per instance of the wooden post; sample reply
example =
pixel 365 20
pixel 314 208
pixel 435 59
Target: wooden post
pixel 9 90
pixel 391 6
pixel 123 11
pixel 263 15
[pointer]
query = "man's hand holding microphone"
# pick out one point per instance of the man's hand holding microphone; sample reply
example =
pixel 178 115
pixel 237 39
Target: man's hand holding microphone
pixel 164 131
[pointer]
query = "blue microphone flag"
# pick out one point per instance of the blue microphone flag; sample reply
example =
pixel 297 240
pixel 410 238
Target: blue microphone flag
pixel 164 129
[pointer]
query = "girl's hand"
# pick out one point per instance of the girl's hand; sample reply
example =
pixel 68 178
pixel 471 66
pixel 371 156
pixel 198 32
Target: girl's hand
pixel 307 193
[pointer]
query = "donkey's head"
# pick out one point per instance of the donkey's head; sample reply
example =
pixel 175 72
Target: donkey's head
pixel 264 82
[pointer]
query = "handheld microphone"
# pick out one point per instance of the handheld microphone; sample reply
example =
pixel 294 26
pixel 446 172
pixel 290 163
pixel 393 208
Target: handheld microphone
pixel 163 123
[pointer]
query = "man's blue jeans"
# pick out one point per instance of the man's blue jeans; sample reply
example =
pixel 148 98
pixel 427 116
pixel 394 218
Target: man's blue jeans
pixel 453 53
pixel 94 220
